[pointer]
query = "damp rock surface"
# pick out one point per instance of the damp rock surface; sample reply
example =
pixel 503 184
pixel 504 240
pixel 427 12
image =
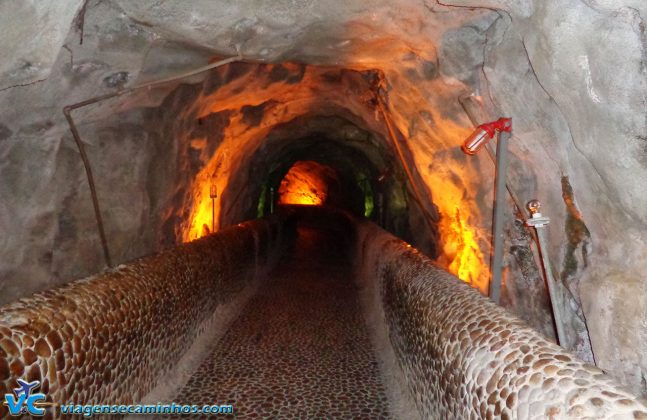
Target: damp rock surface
pixel 33 34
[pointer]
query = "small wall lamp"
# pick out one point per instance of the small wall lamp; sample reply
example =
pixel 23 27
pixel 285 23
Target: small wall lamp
pixel 213 194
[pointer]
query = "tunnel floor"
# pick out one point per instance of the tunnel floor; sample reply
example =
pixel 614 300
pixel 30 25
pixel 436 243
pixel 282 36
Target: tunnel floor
pixel 300 348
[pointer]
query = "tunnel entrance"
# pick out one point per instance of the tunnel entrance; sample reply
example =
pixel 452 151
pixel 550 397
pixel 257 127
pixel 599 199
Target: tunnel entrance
pixel 241 130
pixel 322 171
pixel 363 176
pixel 309 183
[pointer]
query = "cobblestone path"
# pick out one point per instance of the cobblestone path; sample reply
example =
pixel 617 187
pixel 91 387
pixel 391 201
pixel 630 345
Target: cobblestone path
pixel 300 348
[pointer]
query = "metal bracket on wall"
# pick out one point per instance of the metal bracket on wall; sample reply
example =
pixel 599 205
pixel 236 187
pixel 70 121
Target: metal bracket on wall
pixel 539 222
pixel 67 111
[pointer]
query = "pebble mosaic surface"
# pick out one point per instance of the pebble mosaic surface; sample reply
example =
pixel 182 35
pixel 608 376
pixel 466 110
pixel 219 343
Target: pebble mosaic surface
pixel 300 348
pixel 109 338
pixel 467 358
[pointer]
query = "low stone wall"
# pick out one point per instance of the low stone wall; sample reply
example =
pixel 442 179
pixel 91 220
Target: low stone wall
pixel 112 337
pixel 463 357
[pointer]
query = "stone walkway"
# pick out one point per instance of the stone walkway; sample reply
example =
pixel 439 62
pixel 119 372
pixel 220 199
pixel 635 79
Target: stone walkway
pixel 300 349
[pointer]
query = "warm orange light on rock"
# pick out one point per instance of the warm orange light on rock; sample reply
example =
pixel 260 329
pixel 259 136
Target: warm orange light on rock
pixel 459 228
pixel 305 184
pixel 202 218
pixel 455 184
pixel 467 263
pixel 262 97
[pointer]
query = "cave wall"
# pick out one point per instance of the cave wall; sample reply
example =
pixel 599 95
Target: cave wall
pixel 581 123
pixel 571 74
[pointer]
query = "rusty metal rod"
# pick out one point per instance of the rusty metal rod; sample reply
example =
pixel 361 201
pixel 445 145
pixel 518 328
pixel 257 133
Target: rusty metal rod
pixel 93 191
pixel 67 111
pixel 540 223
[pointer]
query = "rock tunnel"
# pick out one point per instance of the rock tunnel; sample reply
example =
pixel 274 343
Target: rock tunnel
pixel 267 209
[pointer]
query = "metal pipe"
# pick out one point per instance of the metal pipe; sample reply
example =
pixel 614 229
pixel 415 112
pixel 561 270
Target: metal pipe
pixel 501 168
pixel 213 214
pixel 474 110
pixel 67 111
pixel 154 83
pixel 93 190
pixel 213 194
pixel 540 222
pixel 476 113
pixel 271 200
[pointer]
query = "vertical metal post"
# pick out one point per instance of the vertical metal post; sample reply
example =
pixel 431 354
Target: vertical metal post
pixel 380 206
pixel 271 200
pixel 213 193
pixel 474 110
pixel 499 207
pixel 213 214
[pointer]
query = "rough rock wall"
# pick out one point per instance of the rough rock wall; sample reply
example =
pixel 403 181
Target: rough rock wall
pixel 232 119
pixel 112 337
pixel 32 37
pixel 574 77
pixel 465 357
pixel 48 232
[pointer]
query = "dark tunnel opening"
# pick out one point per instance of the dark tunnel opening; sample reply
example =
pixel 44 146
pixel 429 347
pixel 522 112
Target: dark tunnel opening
pixel 369 182
pixel 241 139
pixel 348 182
pixel 310 183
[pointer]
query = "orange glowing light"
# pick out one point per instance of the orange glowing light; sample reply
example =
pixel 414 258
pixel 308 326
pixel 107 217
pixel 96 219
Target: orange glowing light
pixel 304 184
pixel 203 217
pixel 467 263
pixel 206 210
pixel 417 107
pixel 462 255
pixel 457 184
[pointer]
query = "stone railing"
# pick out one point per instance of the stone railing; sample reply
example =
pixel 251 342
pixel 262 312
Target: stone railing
pixel 463 357
pixel 111 338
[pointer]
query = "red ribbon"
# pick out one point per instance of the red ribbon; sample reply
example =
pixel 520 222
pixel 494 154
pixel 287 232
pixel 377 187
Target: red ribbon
pixel 502 124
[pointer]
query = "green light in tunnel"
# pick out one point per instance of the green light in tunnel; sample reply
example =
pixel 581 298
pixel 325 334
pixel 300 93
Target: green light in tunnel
pixel 368 205
pixel 260 210
pixel 365 185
